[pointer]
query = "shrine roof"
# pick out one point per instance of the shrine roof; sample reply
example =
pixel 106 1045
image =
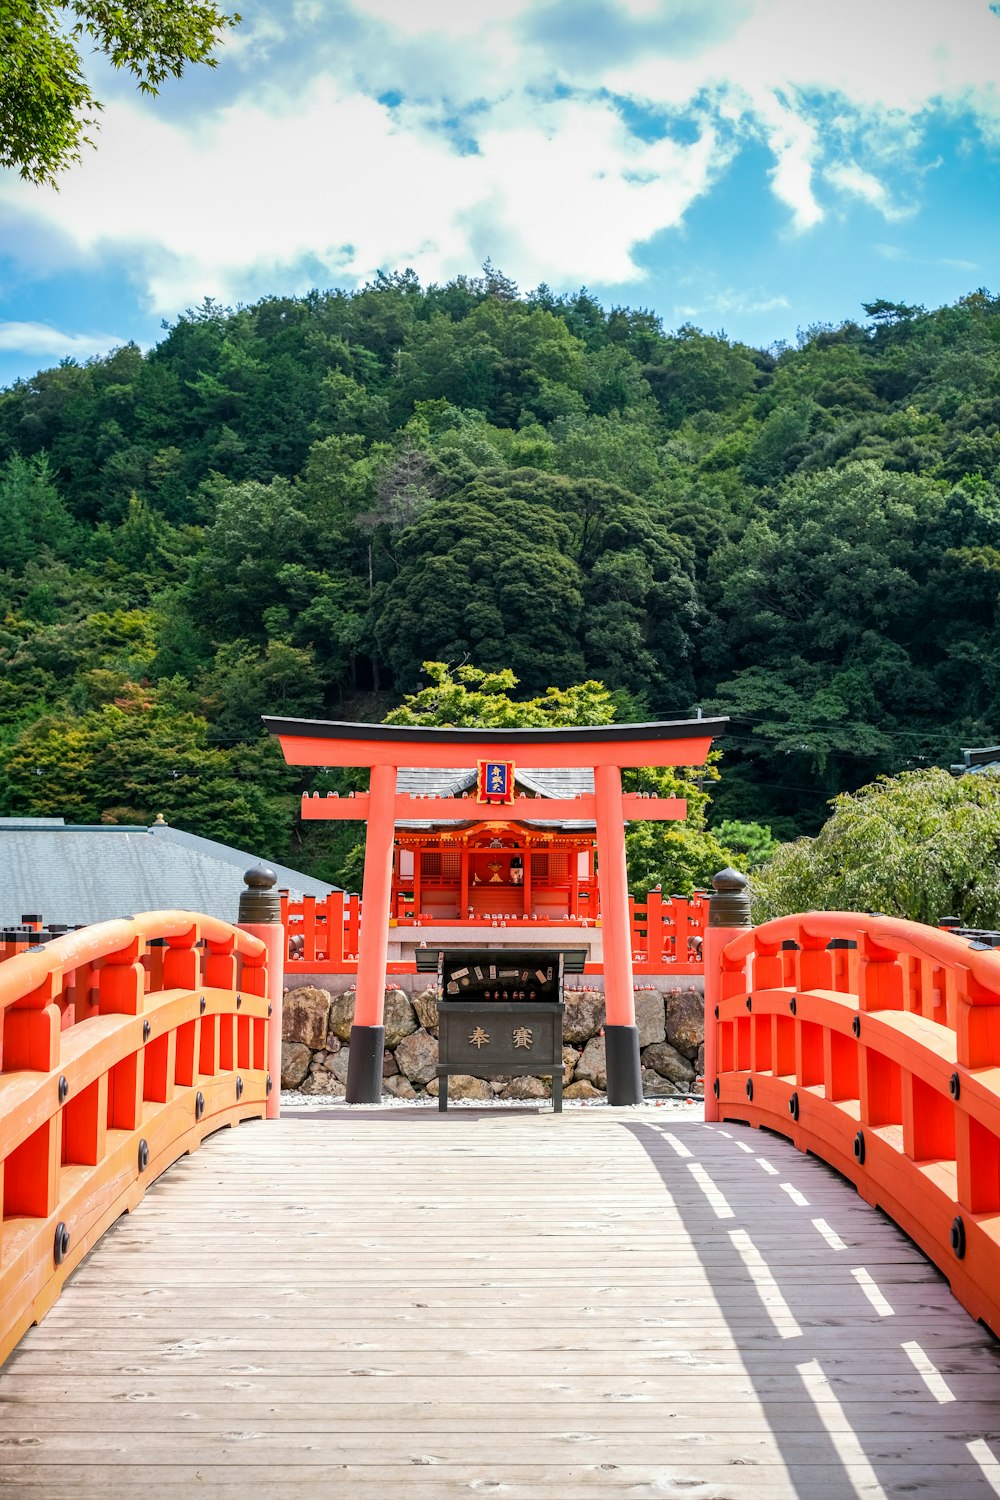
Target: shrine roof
pixel 80 873
pixel 434 781
pixel 452 781
pixel 985 761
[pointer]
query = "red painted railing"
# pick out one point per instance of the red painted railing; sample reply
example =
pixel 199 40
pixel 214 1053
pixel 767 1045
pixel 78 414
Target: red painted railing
pixel 875 1044
pixel 667 933
pixel 122 1046
pixel 324 935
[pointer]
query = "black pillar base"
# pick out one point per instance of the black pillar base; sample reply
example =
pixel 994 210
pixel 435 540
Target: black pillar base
pixel 621 1045
pixel 364 1065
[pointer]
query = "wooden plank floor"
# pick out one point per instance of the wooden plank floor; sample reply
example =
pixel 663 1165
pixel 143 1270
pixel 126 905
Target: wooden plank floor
pixel 502 1303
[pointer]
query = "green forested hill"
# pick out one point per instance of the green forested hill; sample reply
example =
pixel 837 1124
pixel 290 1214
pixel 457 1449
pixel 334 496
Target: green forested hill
pixel 289 507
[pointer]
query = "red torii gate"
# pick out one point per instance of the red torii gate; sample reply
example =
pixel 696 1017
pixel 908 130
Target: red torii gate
pixel 385 747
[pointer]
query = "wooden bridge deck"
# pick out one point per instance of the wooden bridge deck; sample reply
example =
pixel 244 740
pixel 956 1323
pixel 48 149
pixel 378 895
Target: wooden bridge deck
pixel 599 1304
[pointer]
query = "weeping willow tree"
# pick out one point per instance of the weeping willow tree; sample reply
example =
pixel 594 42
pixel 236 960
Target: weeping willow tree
pixel 921 845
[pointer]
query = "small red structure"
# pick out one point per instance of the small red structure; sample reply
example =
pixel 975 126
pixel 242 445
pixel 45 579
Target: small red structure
pixel 323 935
pixel 507 860
pixel 477 840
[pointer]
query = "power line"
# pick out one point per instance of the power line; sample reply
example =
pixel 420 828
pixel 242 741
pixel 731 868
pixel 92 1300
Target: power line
pixel 847 726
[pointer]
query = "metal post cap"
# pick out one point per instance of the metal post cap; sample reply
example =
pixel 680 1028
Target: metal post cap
pixel 729 904
pixel 260 902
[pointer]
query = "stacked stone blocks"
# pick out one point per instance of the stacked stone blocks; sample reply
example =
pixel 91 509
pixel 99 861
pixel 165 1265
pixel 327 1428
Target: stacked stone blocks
pixel 317 1027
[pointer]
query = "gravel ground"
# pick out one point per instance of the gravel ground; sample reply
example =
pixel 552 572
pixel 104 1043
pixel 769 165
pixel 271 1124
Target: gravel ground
pixel 298 1104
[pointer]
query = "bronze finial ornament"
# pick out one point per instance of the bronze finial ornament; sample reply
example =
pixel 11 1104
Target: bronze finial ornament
pixel 729 904
pixel 260 902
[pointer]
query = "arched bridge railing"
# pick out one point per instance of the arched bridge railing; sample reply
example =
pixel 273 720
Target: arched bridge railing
pixel 875 1044
pixel 121 1046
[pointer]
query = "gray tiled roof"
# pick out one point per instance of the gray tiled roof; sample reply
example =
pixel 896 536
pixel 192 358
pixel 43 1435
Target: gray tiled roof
pixel 89 874
pixel 979 762
pixel 440 782
pixel 556 782
pixel 453 781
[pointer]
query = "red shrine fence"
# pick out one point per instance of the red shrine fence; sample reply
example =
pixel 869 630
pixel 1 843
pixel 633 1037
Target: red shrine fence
pixel 324 935
pixel 123 1045
pixel 873 1043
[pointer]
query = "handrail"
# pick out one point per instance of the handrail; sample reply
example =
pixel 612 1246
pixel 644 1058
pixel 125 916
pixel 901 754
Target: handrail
pixel 122 1045
pixel 874 1043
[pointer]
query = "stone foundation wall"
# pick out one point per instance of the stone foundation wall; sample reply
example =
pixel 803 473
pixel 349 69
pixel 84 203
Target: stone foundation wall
pixel 317 1026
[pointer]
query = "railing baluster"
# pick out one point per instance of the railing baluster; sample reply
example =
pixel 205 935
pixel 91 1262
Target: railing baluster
pixel 883 1057
pixel 666 934
pixel 143 1079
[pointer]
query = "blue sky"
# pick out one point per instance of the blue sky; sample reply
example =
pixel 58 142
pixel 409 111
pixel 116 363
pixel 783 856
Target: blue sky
pixel 756 166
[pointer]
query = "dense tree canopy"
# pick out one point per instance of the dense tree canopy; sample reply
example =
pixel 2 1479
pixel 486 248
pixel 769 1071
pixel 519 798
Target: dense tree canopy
pixel 292 506
pixel 470 697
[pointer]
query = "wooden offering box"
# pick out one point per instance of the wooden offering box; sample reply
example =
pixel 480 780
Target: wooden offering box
pixel 501 1012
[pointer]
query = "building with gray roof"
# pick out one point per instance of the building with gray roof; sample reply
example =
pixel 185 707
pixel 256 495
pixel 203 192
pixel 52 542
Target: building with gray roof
pixel 78 874
pixel 984 761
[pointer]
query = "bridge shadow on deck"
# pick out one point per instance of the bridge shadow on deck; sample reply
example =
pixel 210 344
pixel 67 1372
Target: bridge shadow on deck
pixel 851 1415
pixel 800 1316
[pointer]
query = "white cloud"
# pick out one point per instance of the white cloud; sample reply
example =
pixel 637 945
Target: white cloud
pixel 891 56
pixel 563 185
pixel 499 144
pixel 853 180
pixel 792 138
pixel 253 41
pixel 749 302
pixel 41 338
pixel 953 263
pixel 823 81
pixel 731 302
pixel 577 197
pixel 452 18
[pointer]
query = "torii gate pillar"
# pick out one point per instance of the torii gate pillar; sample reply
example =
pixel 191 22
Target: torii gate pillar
pixel 364 1062
pixel 621 1035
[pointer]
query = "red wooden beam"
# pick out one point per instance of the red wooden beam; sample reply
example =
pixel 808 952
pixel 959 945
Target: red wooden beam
pixel 467 810
pixel 682 742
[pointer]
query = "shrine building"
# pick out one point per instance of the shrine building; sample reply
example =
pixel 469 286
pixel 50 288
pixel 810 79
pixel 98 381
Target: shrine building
pixel 506 863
